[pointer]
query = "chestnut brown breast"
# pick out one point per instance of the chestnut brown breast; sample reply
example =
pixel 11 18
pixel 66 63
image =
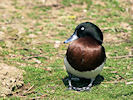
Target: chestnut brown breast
pixel 85 54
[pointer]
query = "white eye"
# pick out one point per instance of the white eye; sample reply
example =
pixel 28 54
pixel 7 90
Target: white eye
pixel 82 28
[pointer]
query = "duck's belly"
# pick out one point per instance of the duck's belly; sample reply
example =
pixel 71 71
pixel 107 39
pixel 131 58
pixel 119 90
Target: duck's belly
pixel 84 74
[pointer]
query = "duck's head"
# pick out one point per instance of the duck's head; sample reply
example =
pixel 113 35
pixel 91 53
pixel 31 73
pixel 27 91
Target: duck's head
pixel 86 29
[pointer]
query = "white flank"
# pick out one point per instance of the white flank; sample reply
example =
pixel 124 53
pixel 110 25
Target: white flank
pixel 84 74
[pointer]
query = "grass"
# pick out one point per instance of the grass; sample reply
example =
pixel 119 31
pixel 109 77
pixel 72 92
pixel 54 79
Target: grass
pixel 34 35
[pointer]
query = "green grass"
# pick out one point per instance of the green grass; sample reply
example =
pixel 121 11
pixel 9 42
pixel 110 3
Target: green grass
pixel 49 24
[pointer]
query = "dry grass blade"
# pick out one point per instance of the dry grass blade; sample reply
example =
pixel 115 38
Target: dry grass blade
pixel 129 83
pixel 114 82
pixel 120 57
pixel 28 90
pixel 30 57
pixel 120 81
pixel 39 97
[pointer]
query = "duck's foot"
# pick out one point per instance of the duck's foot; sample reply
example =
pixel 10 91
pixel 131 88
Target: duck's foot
pixel 70 87
pixel 81 89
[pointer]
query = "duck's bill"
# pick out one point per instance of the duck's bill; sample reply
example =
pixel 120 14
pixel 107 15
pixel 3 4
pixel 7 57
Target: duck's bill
pixel 72 38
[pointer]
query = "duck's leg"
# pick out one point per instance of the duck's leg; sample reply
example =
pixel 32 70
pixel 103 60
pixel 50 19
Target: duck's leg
pixel 85 88
pixel 69 81
pixel 90 85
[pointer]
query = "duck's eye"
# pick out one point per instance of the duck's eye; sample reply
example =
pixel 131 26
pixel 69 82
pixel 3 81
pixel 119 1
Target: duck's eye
pixel 82 28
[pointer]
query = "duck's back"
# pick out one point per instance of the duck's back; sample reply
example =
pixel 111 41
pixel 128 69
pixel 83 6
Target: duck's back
pixel 85 54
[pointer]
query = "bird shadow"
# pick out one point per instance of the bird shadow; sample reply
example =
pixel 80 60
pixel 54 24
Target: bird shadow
pixel 83 82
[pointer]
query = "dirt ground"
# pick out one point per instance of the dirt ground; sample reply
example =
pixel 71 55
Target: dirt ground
pixel 10 78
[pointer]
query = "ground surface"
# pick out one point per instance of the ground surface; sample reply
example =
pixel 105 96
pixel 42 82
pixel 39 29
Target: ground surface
pixel 31 42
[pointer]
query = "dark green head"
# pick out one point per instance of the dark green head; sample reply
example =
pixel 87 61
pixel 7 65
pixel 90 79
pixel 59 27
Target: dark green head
pixel 87 29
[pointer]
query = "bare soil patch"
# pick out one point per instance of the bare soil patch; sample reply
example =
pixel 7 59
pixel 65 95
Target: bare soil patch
pixel 10 78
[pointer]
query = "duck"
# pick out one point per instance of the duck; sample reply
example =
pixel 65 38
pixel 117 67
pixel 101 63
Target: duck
pixel 85 56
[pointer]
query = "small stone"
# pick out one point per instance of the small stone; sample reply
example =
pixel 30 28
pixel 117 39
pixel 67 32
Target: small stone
pixel 57 44
pixel 37 61
pixel 84 10
pixel 129 83
pixel 32 36
pixel 48 69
